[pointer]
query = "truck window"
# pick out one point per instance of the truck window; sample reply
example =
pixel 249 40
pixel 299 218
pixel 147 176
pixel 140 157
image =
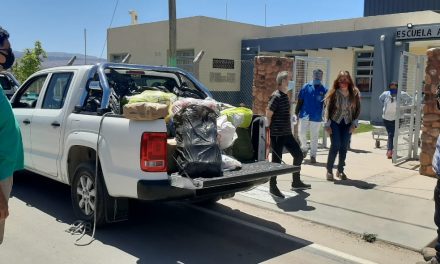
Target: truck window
pixel 27 96
pixel 57 90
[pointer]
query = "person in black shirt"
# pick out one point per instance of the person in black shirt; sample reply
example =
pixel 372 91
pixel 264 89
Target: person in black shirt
pixel 279 122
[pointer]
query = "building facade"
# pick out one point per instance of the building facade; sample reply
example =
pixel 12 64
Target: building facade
pixel 369 47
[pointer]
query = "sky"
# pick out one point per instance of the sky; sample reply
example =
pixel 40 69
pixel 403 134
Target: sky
pixel 60 24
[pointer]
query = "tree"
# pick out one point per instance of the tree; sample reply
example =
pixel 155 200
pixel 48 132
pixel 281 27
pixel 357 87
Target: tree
pixel 30 62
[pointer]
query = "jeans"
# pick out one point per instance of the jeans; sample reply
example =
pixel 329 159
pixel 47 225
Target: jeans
pixel 290 143
pixel 339 144
pixel 304 126
pixel 390 126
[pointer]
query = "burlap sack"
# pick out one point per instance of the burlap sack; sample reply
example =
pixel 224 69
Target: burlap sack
pixel 145 111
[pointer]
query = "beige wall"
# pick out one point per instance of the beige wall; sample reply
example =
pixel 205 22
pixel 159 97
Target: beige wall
pixel 340 59
pixel 420 47
pixel 148 44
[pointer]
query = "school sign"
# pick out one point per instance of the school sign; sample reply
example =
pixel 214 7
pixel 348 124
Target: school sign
pixel 419 32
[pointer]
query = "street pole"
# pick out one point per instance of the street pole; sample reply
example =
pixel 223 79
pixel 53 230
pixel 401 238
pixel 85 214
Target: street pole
pixel 85 46
pixel 173 33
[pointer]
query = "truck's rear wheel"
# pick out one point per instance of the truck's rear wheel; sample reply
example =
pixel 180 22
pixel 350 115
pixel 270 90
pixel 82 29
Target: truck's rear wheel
pixel 84 192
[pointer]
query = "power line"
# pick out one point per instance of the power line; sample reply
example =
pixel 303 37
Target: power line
pixel 111 22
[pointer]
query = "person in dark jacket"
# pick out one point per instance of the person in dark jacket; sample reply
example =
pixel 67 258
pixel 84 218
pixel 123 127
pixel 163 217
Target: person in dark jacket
pixel 279 122
pixel 436 167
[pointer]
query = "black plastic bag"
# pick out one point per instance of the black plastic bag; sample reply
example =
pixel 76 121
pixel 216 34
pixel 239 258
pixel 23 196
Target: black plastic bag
pixel 198 153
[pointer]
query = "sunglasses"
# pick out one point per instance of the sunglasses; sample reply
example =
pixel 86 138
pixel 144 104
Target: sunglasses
pixel 343 80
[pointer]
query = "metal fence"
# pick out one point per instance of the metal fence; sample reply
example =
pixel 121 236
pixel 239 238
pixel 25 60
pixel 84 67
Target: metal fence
pixel 409 104
pixel 302 74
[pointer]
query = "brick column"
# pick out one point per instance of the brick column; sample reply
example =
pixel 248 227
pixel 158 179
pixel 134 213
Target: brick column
pixel 266 69
pixel 431 117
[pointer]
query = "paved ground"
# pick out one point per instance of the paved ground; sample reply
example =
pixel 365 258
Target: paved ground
pixel 231 232
pixel 394 202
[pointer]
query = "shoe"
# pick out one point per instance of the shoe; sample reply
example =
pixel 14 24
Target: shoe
pixel 330 176
pixel 304 153
pixel 275 192
pixel 431 261
pixel 389 154
pixel 300 186
pixel 312 160
pixel 428 253
pixel 342 176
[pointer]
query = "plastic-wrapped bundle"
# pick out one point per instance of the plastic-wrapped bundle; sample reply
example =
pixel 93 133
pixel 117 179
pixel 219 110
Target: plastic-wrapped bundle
pixel 226 133
pixel 229 163
pixel 239 116
pixel 153 97
pixel 198 153
pixel 184 102
pixel 145 111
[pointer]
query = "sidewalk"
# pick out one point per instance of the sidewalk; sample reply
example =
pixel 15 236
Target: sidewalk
pixel 394 202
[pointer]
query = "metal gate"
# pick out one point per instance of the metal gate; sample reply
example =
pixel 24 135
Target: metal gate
pixel 302 74
pixel 409 107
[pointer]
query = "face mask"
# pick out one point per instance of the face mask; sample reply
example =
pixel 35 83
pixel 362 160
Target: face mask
pixel 10 58
pixel 393 91
pixel 316 82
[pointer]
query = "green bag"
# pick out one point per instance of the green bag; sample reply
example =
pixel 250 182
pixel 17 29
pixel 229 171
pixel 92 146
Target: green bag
pixel 239 116
pixel 243 149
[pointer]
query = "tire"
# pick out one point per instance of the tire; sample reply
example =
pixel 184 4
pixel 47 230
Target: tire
pixel 83 193
pixel 377 144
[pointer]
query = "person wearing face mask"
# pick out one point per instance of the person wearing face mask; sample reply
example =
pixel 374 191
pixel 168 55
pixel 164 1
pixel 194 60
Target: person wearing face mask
pixel 309 109
pixel 11 146
pixel 388 99
pixel 278 122
pixel 343 107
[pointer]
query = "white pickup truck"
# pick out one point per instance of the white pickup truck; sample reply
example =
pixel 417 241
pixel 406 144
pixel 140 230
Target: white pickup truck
pixel 61 112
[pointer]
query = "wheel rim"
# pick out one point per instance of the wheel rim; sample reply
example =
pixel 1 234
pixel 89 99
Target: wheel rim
pixel 86 195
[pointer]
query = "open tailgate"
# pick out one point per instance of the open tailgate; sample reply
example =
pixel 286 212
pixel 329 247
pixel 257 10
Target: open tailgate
pixel 249 172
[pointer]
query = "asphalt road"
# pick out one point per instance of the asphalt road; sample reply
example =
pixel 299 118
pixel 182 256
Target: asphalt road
pixel 156 233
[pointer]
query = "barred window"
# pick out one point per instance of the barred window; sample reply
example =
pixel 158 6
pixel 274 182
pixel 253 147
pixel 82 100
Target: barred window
pixel 222 64
pixel 184 59
pixel 364 70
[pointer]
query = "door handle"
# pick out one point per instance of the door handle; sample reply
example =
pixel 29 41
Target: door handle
pixel 26 121
pixel 55 124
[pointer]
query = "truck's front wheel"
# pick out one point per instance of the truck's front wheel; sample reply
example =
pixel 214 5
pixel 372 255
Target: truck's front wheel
pixel 85 193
